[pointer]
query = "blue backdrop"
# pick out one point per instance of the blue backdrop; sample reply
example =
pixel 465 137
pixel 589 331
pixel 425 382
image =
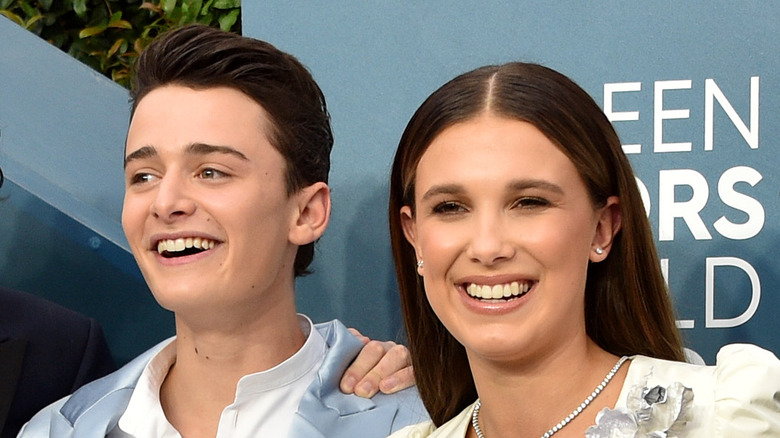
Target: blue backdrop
pixel 692 88
pixel 695 85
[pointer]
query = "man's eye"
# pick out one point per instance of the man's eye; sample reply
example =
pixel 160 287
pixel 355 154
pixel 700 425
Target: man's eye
pixel 448 207
pixel 211 174
pixel 141 178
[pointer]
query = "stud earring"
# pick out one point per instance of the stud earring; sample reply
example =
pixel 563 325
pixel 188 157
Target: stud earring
pixel 599 251
pixel 420 264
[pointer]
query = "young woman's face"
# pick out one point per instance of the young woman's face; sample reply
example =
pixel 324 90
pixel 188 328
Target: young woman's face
pixel 506 229
pixel 206 210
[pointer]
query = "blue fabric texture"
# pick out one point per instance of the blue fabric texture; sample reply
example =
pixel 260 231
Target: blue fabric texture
pixel 324 411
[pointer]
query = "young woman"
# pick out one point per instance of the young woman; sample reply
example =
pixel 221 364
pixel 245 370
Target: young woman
pixel 530 284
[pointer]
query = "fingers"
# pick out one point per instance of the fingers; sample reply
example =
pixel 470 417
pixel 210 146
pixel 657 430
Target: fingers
pixel 355 378
pixel 383 366
pixel 401 379
pixel 357 334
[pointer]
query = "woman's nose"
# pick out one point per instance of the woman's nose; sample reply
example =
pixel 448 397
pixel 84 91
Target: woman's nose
pixel 490 242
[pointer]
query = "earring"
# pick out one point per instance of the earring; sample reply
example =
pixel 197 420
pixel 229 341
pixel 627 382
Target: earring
pixel 420 264
pixel 599 251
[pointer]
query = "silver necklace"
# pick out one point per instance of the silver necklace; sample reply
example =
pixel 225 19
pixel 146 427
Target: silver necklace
pixel 565 421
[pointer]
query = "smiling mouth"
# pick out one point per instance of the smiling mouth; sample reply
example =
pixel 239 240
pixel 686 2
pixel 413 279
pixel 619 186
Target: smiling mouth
pixel 498 292
pixel 181 247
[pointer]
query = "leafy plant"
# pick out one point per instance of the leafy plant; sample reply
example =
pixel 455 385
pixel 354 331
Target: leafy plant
pixel 108 35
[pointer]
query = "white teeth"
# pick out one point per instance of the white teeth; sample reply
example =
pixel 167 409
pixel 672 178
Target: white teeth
pixel 181 244
pixel 498 291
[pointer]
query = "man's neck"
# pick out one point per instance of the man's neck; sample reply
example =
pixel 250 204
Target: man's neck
pixel 209 364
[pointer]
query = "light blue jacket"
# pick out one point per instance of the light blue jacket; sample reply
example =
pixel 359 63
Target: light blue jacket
pixel 324 411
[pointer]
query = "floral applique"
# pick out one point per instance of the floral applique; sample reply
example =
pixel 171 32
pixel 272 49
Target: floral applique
pixel 657 412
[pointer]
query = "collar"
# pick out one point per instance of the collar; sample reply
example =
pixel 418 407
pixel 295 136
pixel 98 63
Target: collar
pixel 112 392
pixel 324 409
pixel 138 421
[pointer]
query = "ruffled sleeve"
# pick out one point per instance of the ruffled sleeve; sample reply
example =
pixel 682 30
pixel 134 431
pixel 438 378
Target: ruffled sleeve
pixel 737 397
pixel 747 392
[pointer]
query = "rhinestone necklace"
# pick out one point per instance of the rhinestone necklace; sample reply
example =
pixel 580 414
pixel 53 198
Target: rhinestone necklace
pixel 565 421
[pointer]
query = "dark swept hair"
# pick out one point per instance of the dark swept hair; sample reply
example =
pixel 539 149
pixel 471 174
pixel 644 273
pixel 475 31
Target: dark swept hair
pixel 201 57
pixel 627 308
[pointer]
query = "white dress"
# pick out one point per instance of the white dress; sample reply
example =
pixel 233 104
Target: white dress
pixel 738 397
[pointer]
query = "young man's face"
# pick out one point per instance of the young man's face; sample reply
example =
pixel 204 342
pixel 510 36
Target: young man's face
pixel 206 210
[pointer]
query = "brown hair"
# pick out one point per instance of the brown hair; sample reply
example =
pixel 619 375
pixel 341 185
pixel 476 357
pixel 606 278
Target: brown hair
pixel 201 57
pixel 627 308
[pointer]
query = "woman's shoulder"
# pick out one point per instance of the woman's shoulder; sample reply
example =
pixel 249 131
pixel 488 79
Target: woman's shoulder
pixel 735 365
pixel 738 396
pixel 454 428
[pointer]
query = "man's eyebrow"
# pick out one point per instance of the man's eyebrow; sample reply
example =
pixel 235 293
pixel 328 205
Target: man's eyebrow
pixel 144 152
pixel 205 149
pixel 193 149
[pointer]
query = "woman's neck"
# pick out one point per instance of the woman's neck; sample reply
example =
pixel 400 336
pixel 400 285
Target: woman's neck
pixel 529 397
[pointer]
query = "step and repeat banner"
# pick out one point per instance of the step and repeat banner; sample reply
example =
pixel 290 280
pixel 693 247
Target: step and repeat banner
pixel 692 88
pixel 62 134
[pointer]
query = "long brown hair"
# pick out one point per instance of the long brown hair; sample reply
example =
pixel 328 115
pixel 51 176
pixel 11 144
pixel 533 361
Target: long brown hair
pixel 627 308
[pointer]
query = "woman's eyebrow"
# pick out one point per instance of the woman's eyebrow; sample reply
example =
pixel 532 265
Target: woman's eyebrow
pixel 515 185
pixel 443 189
pixel 524 184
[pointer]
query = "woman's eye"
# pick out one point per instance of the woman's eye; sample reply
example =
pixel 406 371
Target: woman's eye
pixel 531 202
pixel 448 207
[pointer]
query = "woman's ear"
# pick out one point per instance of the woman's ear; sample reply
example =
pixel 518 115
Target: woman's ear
pixel 607 227
pixel 312 214
pixel 410 232
pixel 408 225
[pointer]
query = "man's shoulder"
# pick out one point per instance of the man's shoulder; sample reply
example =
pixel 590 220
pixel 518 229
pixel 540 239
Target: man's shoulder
pixel 329 411
pixel 93 409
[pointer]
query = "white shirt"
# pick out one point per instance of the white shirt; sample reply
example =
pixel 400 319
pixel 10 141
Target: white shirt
pixel 265 402
pixel 738 397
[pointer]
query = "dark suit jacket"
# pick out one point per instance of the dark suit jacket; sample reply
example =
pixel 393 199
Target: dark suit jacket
pixel 46 352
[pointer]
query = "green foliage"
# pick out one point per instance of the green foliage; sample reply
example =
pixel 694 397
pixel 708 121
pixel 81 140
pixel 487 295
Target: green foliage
pixel 108 35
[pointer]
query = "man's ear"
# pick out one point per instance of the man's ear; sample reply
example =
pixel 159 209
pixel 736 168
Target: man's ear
pixel 312 214
pixel 609 223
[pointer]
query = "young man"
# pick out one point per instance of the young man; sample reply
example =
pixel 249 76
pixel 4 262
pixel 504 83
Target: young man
pixel 226 166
